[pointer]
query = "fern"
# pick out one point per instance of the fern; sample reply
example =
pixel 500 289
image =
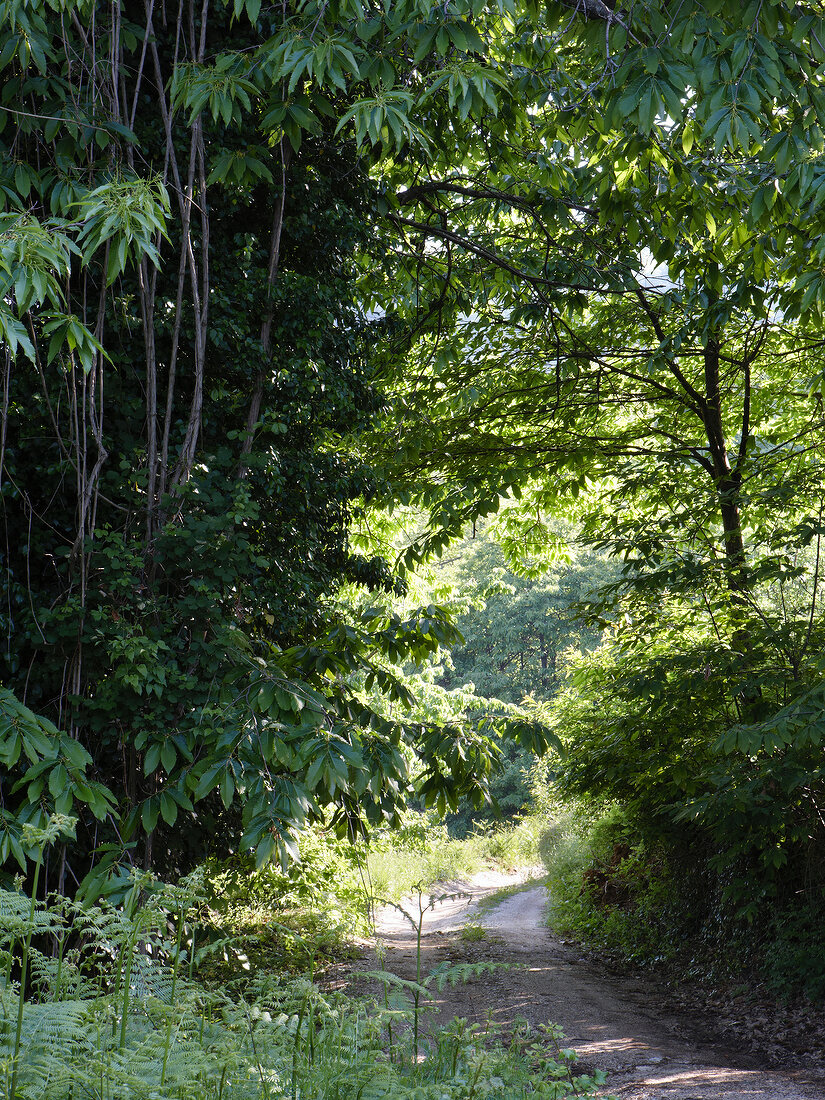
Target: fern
pixel 15 920
pixel 113 1014
pixel 61 1024
pixel 463 972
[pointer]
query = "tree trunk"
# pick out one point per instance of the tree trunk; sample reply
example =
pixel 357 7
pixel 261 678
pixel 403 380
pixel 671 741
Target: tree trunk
pixel 256 400
pixel 728 483
pixel 727 479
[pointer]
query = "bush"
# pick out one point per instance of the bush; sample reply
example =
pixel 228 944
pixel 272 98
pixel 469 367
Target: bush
pixel 655 901
pixel 699 795
pixel 792 956
pixel 607 887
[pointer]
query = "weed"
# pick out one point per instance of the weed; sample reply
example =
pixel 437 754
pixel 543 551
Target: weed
pixel 419 989
pixel 472 932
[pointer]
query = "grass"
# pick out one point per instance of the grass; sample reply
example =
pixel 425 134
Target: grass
pixel 490 901
pixel 426 854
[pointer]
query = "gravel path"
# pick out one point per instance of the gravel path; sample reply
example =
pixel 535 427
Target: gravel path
pixel 620 1024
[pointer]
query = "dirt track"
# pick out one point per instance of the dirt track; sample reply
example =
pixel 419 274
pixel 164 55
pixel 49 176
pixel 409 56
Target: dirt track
pixel 622 1025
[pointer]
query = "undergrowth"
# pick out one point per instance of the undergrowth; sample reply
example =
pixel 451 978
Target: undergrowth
pixel 609 889
pixel 307 916
pixel 661 903
pixel 108 1002
pixel 290 920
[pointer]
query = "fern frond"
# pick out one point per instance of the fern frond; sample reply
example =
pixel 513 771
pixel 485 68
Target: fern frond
pixel 388 979
pixel 463 972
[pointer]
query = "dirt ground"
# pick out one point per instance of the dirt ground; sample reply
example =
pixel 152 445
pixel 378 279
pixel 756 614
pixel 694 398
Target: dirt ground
pixel 624 1025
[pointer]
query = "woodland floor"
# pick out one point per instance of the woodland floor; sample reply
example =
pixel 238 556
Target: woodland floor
pixel 655 1043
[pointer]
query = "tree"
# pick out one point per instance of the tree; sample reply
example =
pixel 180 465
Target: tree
pixel 620 308
pixel 520 630
pixel 185 358
pixel 645 343
pixel 519 633
pixel 172 450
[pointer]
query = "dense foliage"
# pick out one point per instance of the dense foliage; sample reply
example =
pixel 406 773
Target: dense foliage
pixel 186 354
pixel 580 251
pixel 519 633
pixel 182 493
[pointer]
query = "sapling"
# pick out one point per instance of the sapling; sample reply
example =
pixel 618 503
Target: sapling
pixel 441 974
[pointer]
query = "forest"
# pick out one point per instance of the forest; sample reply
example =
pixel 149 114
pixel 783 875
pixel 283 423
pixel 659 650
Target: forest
pixel 412 418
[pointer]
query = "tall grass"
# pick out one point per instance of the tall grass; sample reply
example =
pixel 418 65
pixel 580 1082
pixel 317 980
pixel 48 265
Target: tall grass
pixel 424 853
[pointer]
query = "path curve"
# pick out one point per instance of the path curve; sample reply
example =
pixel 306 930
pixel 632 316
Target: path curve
pixel 620 1024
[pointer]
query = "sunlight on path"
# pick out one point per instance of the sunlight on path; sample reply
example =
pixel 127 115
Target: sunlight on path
pixel 618 1025
pixel 622 1025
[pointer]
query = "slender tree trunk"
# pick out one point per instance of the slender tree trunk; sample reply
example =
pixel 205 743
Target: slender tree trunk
pixel 728 481
pixel 254 411
pixel 147 309
pixel 728 478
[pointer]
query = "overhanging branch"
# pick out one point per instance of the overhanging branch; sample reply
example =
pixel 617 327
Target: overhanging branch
pixel 441 233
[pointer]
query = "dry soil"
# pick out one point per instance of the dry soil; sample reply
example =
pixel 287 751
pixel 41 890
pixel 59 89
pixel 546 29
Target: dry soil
pixel 624 1025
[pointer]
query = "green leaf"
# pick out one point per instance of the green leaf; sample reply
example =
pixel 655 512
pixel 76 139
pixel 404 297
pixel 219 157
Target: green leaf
pixel 687 137
pixel 266 697
pixel 227 788
pixel 152 758
pixel 58 780
pixel 315 771
pixel 149 814
pixel 650 59
pixel 168 808
pixel 168 756
pixel 209 780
